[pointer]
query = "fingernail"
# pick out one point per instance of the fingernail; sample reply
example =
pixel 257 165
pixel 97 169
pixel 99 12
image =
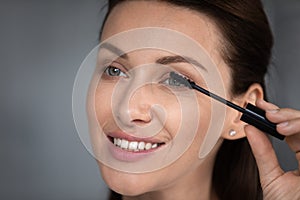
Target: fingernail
pixel 260 101
pixel 283 124
pixel 273 111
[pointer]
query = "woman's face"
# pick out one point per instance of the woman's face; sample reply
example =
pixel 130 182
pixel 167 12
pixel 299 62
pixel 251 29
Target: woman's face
pixel 156 104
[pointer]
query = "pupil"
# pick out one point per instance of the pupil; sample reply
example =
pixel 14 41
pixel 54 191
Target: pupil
pixel 174 82
pixel 114 71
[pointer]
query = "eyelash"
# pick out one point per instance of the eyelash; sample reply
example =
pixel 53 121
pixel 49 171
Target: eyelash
pixel 176 83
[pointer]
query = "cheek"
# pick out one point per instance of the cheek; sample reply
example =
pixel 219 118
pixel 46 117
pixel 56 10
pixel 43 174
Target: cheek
pixel 202 135
pixel 205 111
pixel 174 116
pixel 103 99
pixel 179 126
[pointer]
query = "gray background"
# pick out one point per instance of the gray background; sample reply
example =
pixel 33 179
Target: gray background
pixel 42 44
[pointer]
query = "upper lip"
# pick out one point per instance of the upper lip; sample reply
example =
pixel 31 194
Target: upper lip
pixel 131 138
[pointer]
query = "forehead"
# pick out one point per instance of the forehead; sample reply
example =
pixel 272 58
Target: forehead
pixel 139 14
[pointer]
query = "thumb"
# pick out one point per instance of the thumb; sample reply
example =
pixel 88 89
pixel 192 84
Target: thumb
pixel 268 166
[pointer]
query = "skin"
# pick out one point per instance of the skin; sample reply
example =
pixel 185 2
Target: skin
pixel 188 177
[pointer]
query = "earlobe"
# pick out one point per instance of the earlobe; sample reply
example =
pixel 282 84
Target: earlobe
pixel 235 128
pixel 233 134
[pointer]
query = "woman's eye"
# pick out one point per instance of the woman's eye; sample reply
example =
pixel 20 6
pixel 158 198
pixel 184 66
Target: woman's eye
pixel 114 71
pixel 173 82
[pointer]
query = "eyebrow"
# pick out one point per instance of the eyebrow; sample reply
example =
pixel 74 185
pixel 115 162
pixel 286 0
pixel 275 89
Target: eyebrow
pixel 163 60
pixel 113 49
pixel 179 59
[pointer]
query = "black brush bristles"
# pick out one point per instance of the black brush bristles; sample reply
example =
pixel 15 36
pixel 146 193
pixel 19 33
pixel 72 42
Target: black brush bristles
pixel 181 79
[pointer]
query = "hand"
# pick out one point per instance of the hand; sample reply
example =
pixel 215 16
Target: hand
pixel 277 184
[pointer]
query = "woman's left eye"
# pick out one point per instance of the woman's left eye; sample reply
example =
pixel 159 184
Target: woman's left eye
pixel 173 82
pixel 114 71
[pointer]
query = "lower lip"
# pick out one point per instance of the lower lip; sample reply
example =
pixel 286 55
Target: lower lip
pixel 129 156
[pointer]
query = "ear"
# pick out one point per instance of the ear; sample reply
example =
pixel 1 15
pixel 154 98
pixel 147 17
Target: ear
pixel 234 123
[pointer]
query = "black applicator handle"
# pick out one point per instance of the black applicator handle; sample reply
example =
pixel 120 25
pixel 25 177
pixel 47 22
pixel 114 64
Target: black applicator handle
pixel 257 117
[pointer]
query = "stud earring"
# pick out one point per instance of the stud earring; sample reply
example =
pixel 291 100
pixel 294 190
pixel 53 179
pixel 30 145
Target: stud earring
pixel 232 133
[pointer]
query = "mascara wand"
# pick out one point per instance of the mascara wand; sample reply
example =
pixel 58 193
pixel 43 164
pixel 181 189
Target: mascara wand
pixel 251 114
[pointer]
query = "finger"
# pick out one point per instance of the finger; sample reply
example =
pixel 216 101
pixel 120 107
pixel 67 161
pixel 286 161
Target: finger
pixel 276 114
pixel 289 128
pixel 287 120
pixel 266 105
pixel 282 115
pixel 265 156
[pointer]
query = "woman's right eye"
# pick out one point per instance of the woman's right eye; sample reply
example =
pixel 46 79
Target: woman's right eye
pixel 114 71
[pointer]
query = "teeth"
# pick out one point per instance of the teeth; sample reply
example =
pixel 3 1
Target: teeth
pixel 148 146
pixel 134 146
pixel 119 142
pixel 141 145
pixel 124 144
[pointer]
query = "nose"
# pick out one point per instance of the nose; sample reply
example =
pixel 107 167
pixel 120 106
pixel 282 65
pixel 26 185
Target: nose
pixel 133 106
pixel 140 104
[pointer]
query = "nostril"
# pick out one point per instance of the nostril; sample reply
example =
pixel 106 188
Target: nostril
pixel 140 122
pixel 140 117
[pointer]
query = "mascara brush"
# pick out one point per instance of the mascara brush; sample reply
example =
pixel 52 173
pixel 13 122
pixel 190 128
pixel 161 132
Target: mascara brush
pixel 251 114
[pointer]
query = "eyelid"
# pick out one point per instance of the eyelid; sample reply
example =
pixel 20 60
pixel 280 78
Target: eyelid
pixel 116 65
pixel 192 75
pixel 181 74
pixel 183 69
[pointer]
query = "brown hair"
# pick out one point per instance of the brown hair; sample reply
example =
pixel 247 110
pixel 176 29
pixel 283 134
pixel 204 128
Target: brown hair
pixel 247 49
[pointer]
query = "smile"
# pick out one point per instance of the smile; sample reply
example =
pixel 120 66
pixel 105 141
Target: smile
pixel 134 145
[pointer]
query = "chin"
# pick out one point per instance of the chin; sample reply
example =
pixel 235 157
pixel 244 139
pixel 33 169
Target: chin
pixel 126 184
